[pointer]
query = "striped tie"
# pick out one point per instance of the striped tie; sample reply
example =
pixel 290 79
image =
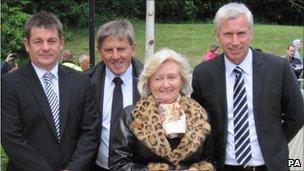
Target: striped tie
pixel 240 120
pixel 53 100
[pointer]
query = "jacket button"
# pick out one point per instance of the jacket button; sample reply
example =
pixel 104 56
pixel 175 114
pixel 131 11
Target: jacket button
pixel 56 148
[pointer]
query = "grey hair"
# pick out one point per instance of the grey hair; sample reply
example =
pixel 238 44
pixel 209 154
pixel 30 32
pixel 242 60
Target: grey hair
pixel 67 55
pixel 117 28
pixel 155 61
pixel 81 57
pixel 230 11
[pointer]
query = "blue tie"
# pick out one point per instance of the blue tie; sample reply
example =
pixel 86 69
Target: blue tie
pixel 53 101
pixel 240 120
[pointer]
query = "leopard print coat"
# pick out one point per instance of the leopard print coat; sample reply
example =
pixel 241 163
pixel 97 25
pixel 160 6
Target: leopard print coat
pixel 146 129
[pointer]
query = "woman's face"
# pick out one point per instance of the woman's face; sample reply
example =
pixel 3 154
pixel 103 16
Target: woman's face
pixel 165 84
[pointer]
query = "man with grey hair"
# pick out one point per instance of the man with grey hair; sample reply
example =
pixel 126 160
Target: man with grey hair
pixel 84 62
pixel 115 80
pixel 253 98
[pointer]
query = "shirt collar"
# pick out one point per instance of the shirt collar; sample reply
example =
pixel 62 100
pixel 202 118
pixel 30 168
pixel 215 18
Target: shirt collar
pixel 245 64
pixel 40 72
pixel 124 77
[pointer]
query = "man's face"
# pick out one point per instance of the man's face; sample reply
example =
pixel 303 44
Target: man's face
pixel 235 37
pixel 291 51
pixel 85 64
pixel 44 47
pixel 116 53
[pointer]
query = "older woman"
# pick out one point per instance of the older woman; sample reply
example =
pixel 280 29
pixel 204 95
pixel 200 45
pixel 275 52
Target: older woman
pixel 166 130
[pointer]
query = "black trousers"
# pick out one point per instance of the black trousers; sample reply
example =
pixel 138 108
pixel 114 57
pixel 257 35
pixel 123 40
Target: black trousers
pixel 95 167
pixel 241 168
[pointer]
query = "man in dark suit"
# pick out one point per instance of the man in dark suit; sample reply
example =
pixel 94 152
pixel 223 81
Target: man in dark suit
pixel 253 98
pixel 116 46
pixel 49 119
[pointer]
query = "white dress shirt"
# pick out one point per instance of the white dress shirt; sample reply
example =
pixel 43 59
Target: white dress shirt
pixel 246 65
pixel 127 91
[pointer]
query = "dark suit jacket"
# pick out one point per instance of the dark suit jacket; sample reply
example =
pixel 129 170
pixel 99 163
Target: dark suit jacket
pixel 28 132
pixel 97 75
pixel 276 98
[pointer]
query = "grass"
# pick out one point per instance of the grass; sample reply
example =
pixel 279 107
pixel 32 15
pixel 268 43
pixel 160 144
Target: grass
pixel 193 40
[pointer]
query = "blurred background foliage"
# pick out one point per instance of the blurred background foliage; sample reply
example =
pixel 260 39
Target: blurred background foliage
pixel 75 14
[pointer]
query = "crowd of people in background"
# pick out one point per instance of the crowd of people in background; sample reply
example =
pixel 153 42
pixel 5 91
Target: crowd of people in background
pixel 225 114
pixel 10 64
pixel 293 54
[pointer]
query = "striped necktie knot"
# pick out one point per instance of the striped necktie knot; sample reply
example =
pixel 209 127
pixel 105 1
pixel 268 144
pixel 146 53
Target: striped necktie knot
pixel 48 77
pixel 238 70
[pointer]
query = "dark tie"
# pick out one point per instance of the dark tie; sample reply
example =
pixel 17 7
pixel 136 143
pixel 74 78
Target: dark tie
pixel 53 101
pixel 117 109
pixel 240 120
pixel 117 104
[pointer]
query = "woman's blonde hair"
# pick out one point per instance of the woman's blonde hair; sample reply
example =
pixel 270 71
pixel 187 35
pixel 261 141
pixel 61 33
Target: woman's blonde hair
pixel 154 62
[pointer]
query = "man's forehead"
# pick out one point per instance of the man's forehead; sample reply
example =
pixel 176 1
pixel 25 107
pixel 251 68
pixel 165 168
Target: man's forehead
pixel 115 39
pixel 291 48
pixel 42 28
pixel 44 32
pixel 119 38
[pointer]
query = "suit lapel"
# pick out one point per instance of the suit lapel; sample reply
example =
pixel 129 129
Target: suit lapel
pixel 98 81
pixel 135 80
pixel 258 79
pixel 219 77
pixel 65 88
pixel 33 83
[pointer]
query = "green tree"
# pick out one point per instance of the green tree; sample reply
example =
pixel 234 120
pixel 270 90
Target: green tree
pixel 12 22
pixel 72 13
pixel 175 11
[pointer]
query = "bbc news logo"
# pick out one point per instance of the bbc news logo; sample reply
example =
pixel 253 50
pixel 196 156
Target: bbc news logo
pixel 294 163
